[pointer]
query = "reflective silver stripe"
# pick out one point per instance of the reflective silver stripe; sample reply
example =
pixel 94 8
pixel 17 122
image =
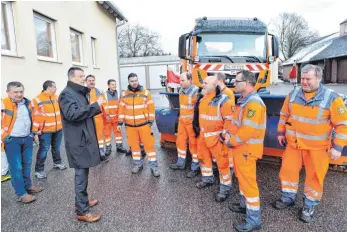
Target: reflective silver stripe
pixel 186 107
pixel 238 139
pixel 134 117
pixel 209 134
pixel 150 115
pixel 294 184
pixel 136 153
pixel 324 103
pixel 314 192
pixel 186 116
pixel 181 151
pixel 288 190
pixel 218 106
pixel 281 122
pixel 341 136
pixel 311 198
pixel 252 199
pixel 52 123
pixel 136 107
pixel 284 114
pixel 295 93
pixel 211 118
pixel 8 112
pixel 111 107
pixel 308 120
pixel 238 123
pixel 228 117
pixel 341 123
pixel 308 137
pixel 150 102
pixel 251 207
pixel 51 114
pixel 253 124
pixel 255 141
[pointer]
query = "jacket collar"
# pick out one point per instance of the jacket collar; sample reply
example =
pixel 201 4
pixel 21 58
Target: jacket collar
pixel 111 93
pixel 242 100
pixel 319 95
pixel 78 88
pixel 139 88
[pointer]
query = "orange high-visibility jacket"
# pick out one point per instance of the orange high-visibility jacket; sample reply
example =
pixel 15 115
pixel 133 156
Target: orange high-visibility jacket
pixel 215 113
pixel 249 124
pixel 9 115
pixel 187 99
pixel 229 93
pixel 46 113
pixel 94 95
pixel 136 108
pixel 308 124
pixel 112 104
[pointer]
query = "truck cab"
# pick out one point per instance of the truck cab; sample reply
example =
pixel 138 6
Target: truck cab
pixel 228 45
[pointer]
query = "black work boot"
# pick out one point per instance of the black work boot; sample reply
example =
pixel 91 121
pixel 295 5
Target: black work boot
pixel 201 184
pixel 279 204
pixel 237 208
pixel 108 150
pixel 104 158
pixel 128 153
pixel 246 227
pixel 121 149
pixel 176 166
pixel 307 214
pixel 192 174
pixel 221 196
pixel 136 169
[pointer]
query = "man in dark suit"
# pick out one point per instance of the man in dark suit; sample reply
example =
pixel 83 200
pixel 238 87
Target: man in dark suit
pixel 80 138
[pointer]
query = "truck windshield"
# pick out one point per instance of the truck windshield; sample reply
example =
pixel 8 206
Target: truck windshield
pixel 227 44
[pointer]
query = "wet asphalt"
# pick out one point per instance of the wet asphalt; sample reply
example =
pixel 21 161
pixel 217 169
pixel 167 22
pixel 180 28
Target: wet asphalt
pixel 169 203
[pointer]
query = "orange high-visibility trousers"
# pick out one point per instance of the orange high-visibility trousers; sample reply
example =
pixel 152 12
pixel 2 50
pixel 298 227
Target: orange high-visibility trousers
pixel 205 159
pixel 108 128
pixel 316 166
pixel 144 135
pixel 99 127
pixel 245 166
pixel 185 133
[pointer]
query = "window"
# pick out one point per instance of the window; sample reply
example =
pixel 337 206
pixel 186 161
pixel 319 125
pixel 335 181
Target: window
pixel 8 40
pixel 94 52
pixel 45 38
pixel 76 47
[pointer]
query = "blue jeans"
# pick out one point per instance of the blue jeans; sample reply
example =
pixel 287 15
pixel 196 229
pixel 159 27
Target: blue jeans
pixel 46 139
pixel 19 152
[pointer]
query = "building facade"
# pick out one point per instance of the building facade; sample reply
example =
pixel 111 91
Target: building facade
pixel 329 52
pixel 41 40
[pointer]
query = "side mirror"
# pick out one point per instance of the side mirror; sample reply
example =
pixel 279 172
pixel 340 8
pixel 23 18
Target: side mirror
pixel 274 44
pixel 182 46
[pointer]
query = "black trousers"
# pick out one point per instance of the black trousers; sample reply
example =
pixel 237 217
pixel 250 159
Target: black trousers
pixel 81 185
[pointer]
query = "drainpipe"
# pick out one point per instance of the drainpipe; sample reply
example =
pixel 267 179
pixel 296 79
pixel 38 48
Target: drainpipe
pixel 118 57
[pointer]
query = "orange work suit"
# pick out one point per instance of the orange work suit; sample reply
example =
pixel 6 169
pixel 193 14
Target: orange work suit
pixel 307 121
pixel 215 112
pixel 94 95
pixel 136 111
pixel 185 132
pixel 247 142
pixel 111 111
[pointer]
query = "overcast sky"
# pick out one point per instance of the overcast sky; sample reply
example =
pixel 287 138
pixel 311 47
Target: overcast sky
pixel 173 18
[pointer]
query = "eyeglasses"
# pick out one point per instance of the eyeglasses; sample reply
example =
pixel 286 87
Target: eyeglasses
pixel 237 81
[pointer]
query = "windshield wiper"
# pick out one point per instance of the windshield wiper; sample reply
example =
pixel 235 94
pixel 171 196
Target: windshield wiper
pixel 223 57
pixel 253 57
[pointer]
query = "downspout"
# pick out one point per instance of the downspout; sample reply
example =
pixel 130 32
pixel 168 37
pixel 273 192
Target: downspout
pixel 118 57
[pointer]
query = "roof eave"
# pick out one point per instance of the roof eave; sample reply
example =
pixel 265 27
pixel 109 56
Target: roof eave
pixel 113 10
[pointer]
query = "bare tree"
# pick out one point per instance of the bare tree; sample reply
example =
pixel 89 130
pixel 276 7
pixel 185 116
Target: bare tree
pixel 293 33
pixel 137 40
